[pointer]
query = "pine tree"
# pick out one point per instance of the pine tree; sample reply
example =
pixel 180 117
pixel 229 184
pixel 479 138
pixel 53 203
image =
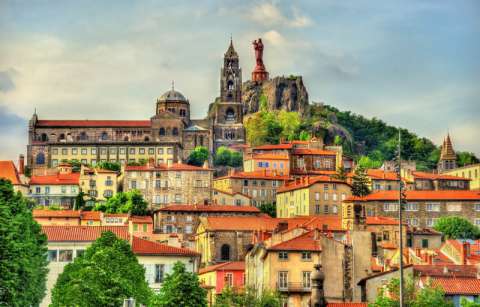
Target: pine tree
pixel 23 251
pixel 360 182
pixel 180 289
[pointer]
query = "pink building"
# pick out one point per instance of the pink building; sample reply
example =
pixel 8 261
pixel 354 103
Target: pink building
pixel 216 277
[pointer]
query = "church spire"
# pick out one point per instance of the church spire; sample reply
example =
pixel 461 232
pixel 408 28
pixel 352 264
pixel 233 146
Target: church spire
pixel 448 158
pixel 231 53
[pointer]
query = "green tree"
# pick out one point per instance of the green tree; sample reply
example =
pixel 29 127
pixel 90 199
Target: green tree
pixel 290 122
pixel 79 201
pixel 269 209
pixel 112 166
pixel 360 182
pixel 106 274
pixel 180 289
pixel 198 156
pixel 341 174
pixel 455 227
pixel 466 158
pixel 247 298
pixel 23 248
pixel 76 164
pixel 367 162
pixel 226 157
pixel 124 202
pixel 466 303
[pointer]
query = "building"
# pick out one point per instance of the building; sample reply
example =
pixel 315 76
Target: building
pixel 98 184
pixel 424 238
pixel 432 181
pixel 261 186
pixel 220 276
pixel 9 171
pixel 423 207
pixel 59 189
pixel 382 180
pixel 167 137
pixel 448 158
pixel 306 196
pixel 220 197
pixel 65 243
pixel 471 172
pixel 163 184
pixel 279 163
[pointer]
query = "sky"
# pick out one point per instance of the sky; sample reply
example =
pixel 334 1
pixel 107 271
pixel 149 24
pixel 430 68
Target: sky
pixel 413 64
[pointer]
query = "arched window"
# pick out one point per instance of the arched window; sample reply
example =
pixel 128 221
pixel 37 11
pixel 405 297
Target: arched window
pixel 230 115
pixel 201 140
pixel 162 131
pixel 125 138
pixel 230 85
pixel 225 252
pixel 104 136
pixel 40 160
pixel 83 136
pixel 61 137
pixel 43 137
pixel 183 112
pixel 146 139
pixel 175 131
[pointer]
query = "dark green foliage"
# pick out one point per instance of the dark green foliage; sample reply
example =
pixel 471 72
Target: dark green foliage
pixel 228 157
pixel 198 156
pixel 76 164
pixel 180 289
pixel 341 174
pixel 360 182
pixel 79 201
pixel 247 298
pixel 454 227
pixel 106 274
pixel 466 303
pixel 140 162
pixel 466 158
pixel 269 209
pixel 23 248
pixel 124 202
pixel 112 166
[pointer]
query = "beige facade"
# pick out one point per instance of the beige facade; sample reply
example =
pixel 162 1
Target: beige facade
pixel 220 197
pixel 471 172
pixel 98 184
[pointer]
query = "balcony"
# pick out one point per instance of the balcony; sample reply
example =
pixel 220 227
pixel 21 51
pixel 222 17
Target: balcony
pixel 293 287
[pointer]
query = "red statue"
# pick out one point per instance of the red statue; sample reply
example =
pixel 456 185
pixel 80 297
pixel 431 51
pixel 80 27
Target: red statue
pixel 259 73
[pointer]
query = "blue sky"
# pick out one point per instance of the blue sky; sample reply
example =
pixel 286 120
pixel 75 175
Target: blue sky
pixel 413 64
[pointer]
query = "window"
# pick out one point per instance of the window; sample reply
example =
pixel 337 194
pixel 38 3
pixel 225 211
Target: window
pixel 433 207
pixel 229 280
pixel 54 162
pixel 225 252
pixel 151 151
pixel 412 222
pixel 335 209
pixel 424 243
pixel 306 256
pixel 47 190
pixel 455 207
pixel 325 196
pixel 170 151
pixel 141 151
pixel 430 222
pixel 325 187
pixel 144 227
pixel 65 255
pixel 411 207
pixel 282 280
pixel 188 229
pixel 317 208
pixel 159 272
pixel 113 150
pixel 64 189
pixel 135 227
pixel 55 151
pixel 83 151
pixel 477 207
pixel 38 190
pixel 283 255
pixel 93 151
pixel 386 236
pixel 175 131
pixel 133 184
pixel 390 207
pixel 131 151
pixel 79 252
pixel 317 196
pixel 325 209
pixel 64 151
pixel 52 255
pixel 108 193
pixel 178 198
pixel 306 280
pixel 477 222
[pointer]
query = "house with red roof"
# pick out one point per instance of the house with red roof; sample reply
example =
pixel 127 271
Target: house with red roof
pixel 427 181
pixel 220 197
pixel 216 277
pixel 9 171
pixel 65 243
pixel 382 180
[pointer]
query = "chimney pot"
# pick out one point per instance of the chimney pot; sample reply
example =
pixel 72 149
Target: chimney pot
pixel 21 164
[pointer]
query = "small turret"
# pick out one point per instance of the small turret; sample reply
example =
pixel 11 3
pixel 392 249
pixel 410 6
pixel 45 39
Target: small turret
pixel 448 158
pixel 317 298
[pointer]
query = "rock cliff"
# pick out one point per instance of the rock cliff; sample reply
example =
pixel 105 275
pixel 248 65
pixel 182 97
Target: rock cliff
pixel 283 93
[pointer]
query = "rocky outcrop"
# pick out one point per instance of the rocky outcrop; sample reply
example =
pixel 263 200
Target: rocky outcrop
pixel 282 93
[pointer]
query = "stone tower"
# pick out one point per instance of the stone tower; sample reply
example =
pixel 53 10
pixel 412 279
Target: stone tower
pixel 448 158
pixel 227 111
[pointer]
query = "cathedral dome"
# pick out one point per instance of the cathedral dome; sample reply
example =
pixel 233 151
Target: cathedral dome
pixel 172 95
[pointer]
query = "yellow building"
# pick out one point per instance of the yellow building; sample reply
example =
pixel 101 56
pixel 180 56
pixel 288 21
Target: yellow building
pixel 471 172
pixel 98 184
pixel 306 196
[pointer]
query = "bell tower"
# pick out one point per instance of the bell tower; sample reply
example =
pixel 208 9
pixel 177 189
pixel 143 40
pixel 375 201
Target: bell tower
pixel 231 77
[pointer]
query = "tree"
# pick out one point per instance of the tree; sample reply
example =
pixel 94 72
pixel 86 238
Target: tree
pixel 198 156
pixel 249 297
pixel 179 289
pixel 79 203
pixel 226 157
pixel 269 209
pixel 360 182
pixel 112 166
pixel 23 248
pixel 466 303
pixel 124 202
pixel 455 227
pixel 76 164
pixel 413 295
pixel 341 174
pixel 466 158
pixel 106 274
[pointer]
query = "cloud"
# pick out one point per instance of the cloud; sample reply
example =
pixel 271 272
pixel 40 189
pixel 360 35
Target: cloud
pixel 269 14
pixel 6 82
pixel 274 38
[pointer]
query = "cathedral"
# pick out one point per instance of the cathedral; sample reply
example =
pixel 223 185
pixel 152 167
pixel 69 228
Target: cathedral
pixel 167 137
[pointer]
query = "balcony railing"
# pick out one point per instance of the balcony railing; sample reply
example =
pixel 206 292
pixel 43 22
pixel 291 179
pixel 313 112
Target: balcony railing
pixel 293 287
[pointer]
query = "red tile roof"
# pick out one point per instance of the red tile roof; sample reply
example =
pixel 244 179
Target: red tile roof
pixel 149 248
pixel 230 193
pixel 379 174
pixel 58 179
pixel 141 219
pixel 421 195
pixel 266 175
pixel 456 286
pixel 91 215
pixel 165 167
pixel 93 123
pixel 82 233
pixel 274 146
pixel 226 266
pixel 210 208
pixel 9 171
pixel 240 223
pixel 268 156
pixel 308 151
pixel 308 181
pixel 432 176
pixel 56 213
pixel 304 242
pixel 446 270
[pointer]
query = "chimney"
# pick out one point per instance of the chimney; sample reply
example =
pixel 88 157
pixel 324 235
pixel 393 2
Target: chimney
pixel 21 164
pixel 465 252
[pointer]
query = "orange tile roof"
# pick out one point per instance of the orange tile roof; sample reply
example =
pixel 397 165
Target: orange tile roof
pixel 91 215
pixel 136 219
pixel 56 213
pixel 82 233
pixel 304 242
pixel 308 181
pixel 165 167
pixel 210 208
pixel 274 146
pixel 149 248
pixel 421 195
pixel 240 223
pixel 58 179
pixel 309 151
pixel 226 266
pixel 432 176
pixel 9 171
pixel 379 174
pixel 269 156
pixel 446 270
pixel 230 193
pixel 456 286
pixel 266 175
pixel 93 123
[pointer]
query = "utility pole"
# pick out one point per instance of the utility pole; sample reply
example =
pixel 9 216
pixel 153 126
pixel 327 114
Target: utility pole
pixel 401 198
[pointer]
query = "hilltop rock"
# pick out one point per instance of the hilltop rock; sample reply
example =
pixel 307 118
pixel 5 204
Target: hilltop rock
pixel 283 93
